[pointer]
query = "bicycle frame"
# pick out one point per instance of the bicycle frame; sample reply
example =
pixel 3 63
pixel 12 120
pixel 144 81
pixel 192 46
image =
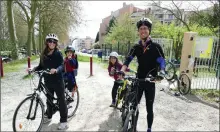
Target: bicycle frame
pixel 125 82
pixel 41 87
pixel 133 104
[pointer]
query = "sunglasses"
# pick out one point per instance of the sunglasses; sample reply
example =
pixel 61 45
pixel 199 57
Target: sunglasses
pixel 52 41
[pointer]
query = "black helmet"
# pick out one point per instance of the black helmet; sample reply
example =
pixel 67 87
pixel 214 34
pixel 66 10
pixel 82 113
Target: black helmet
pixel 144 21
pixel 69 48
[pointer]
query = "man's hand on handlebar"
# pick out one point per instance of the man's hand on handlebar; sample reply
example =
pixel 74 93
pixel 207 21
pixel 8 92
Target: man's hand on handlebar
pixel 52 71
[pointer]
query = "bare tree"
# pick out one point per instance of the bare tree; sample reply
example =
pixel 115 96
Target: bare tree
pixel 29 8
pixel 176 11
pixel 11 27
pixel 209 17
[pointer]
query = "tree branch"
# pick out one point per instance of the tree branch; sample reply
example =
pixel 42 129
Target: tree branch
pixel 24 9
pixel 175 15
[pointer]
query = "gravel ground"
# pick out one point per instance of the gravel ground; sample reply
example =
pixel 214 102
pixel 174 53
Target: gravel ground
pixel 94 114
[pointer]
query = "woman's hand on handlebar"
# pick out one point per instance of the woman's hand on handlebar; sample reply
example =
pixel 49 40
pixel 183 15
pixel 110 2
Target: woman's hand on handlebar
pixel 52 71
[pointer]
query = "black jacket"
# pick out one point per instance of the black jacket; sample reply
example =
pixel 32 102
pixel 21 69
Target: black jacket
pixel 55 60
pixel 148 60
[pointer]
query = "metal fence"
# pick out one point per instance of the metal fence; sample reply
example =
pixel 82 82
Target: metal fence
pixel 206 71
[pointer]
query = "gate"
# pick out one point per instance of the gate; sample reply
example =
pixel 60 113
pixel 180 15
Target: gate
pixel 206 70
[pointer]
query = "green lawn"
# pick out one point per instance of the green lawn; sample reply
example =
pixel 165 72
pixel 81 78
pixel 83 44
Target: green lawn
pixel 15 65
pixel 207 94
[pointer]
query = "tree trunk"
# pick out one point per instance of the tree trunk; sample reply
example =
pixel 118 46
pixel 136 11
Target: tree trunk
pixel 11 27
pixel 1 21
pixel 31 26
pixel 29 39
pixel 33 42
pixel 40 35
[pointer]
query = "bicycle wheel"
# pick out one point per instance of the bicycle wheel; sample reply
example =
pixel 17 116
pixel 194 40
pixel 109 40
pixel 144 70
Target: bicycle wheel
pixel 36 115
pixel 128 125
pixel 170 71
pixel 72 102
pixel 124 109
pixel 124 113
pixel 184 84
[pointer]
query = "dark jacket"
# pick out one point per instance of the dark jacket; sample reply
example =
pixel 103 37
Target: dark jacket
pixel 55 60
pixel 149 58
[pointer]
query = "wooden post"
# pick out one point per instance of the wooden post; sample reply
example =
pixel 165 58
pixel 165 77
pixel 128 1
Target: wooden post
pixel 186 65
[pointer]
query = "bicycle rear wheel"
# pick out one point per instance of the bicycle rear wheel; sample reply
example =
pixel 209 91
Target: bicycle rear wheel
pixel 184 84
pixel 35 108
pixel 170 71
pixel 72 102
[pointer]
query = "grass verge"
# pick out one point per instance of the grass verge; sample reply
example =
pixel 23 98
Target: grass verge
pixel 15 65
pixel 210 95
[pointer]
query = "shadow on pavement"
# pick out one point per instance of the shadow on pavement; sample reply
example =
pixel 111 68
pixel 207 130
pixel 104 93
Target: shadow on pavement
pixel 113 123
pixel 194 98
pixel 189 98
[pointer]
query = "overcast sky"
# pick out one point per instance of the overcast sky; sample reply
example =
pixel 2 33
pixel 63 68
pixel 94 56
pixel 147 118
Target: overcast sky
pixel 95 11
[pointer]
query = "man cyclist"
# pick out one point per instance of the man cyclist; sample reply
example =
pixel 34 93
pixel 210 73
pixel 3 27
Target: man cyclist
pixel 149 56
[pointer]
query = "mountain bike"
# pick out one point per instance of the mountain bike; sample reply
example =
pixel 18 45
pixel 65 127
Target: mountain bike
pixel 130 123
pixel 34 107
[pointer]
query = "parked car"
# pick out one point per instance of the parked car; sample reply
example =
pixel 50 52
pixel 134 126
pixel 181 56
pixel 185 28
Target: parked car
pixel 6 59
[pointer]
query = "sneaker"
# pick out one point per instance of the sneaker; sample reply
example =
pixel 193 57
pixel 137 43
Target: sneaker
pixel 47 120
pixel 148 130
pixel 112 105
pixel 63 126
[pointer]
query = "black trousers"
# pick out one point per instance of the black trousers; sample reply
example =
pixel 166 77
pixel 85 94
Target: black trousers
pixel 58 88
pixel 149 90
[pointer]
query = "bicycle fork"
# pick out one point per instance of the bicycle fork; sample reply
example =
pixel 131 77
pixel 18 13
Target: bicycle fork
pixel 30 108
pixel 135 119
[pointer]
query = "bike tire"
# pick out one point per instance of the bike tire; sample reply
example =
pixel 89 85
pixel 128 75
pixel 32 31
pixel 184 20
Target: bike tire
pixel 18 107
pixel 127 121
pixel 184 85
pixel 170 71
pixel 76 107
pixel 124 110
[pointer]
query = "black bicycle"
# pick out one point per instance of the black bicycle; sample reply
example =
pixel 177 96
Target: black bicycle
pixel 34 107
pixel 132 109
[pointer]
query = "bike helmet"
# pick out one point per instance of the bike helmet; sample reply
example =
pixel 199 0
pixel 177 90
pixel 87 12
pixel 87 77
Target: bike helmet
pixel 144 21
pixel 114 54
pixel 69 48
pixel 52 36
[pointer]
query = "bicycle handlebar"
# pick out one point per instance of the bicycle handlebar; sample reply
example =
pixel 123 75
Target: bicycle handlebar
pixel 43 71
pixel 150 78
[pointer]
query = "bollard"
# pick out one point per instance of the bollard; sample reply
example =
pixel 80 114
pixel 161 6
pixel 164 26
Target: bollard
pixel 91 66
pixel 29 62
pixel 1 66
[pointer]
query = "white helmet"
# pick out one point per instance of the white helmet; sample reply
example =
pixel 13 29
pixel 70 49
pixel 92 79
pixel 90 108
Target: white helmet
pixel 52 36
pixel 114 54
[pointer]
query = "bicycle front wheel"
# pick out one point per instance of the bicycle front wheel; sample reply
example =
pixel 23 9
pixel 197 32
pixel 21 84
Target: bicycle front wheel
pixel 184 84
pixel 129 122
pixel 28 115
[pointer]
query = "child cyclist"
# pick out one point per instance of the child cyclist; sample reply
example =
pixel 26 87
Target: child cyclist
pixel 115 65
pixel 70 67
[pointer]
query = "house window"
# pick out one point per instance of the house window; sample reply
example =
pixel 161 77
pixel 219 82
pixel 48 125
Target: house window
pixel 170 16
pixel 160 15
